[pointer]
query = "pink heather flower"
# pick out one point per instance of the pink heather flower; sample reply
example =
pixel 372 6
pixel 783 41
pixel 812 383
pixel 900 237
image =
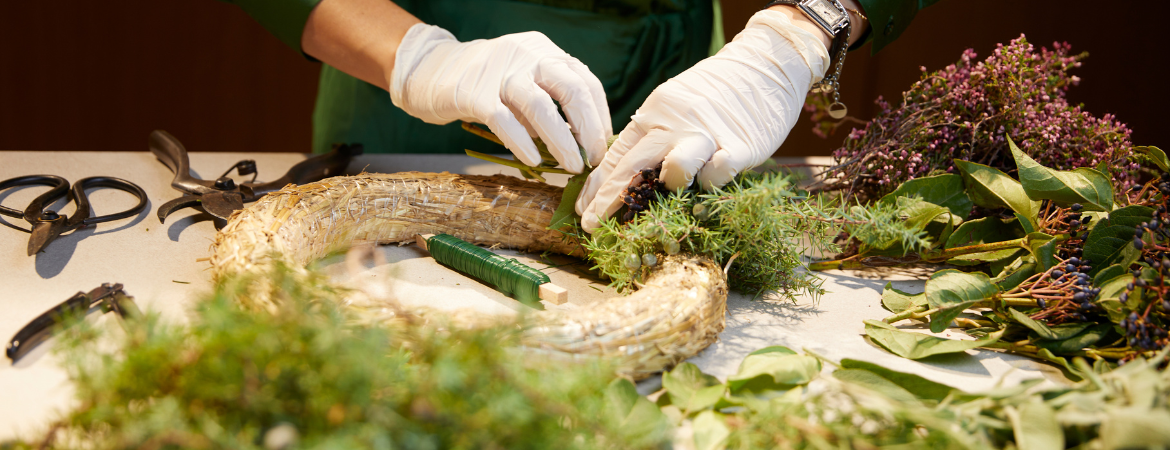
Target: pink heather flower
pixel 968 109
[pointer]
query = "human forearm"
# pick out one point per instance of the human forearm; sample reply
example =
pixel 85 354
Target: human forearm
pixel 358 37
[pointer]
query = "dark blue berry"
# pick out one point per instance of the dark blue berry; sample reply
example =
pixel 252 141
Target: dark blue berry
pixel 1076 207
pixel 1041 303
pixel 1057 273
pixel 1137 242
pixel 1079 297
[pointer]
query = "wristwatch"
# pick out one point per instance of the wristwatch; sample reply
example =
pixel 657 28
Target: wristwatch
pixel 831 16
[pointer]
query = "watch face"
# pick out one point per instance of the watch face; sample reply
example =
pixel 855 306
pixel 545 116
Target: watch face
pixel 826 10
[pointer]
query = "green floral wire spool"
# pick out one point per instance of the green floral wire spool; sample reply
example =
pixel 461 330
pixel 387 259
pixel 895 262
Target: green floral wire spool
pixel 509 276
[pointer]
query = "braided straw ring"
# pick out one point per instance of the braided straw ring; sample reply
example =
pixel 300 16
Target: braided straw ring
pixel 679 311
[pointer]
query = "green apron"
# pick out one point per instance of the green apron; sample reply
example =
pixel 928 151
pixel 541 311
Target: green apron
pixel 632 46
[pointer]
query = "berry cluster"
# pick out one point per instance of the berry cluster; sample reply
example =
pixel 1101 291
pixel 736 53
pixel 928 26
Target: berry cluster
pixel 1067 294
pixel 1147 297
pixel 643 191
pixel 1074 297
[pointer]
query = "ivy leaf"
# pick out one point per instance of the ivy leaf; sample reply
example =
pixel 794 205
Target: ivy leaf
pixel 566 215
pixel 1082 185
pixel 691 389
pixel 896 301
pixel 917 345
pixel 1038 327
pixel 1111 241
pixel 710 431
pixel 991 188
pixel 984 231
pixel 952 291
pixel 1154 155
pixel 921 387
pixel 773 368
pixel 943 190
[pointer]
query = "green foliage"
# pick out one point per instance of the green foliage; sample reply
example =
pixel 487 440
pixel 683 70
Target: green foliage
pixel 237 379
pixel 863 405
pixel 1081 185
pixel 991 188
pixel 759 224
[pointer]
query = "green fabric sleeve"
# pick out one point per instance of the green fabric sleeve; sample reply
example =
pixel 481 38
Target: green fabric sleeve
pixel 285 19
pixel 888 18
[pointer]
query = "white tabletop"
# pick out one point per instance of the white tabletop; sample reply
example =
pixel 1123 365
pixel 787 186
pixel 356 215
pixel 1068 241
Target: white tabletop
pixel 159 264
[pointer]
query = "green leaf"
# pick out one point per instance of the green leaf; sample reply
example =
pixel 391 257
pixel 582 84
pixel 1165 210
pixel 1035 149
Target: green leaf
pixel 1111 291
pixel 896 301
pixel 1065 343
pixel 1016 277
pixel 635 415
pixel 921 387
pixel 1111 241
pixel 1154 155
pixel 1035 427
pixel 566 215
pixel 691 389
pixel 991 188
pixel 711 431
pixel 1135 428
pixel 943 190
pixel 918 345
pixel 876 383
pixel 974 259
pixel 1043 248
pixel 952 291
pixel 1038 327
pixel 1109 273
pixel 1086 186
pixel 985 231
pixel 773 368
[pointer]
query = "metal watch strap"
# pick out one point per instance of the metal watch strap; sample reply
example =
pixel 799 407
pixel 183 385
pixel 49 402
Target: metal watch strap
pixel 840 45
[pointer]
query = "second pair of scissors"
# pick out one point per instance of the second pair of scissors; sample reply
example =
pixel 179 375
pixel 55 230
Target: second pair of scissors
pixel 47 224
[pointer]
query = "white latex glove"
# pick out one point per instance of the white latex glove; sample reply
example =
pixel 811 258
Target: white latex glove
pixel 509 84
pixel 726 114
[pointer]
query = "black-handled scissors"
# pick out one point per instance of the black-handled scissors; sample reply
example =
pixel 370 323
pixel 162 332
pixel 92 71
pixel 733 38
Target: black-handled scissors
pixel 222 196
pixel 48 224
pixel 110 297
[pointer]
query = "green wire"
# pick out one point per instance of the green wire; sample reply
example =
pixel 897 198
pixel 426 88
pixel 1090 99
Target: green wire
pixel 509 276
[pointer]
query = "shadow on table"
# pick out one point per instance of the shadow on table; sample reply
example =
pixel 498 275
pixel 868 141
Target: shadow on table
pixel 53 259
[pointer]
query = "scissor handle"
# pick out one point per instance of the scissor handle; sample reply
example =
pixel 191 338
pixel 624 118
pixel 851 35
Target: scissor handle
pixel 60 187
pixel 81 215
pixel 168 150
pixel 310 170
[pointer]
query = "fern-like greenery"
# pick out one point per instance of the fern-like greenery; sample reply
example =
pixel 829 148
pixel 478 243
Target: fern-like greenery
pixel 310 376
pixel 759 226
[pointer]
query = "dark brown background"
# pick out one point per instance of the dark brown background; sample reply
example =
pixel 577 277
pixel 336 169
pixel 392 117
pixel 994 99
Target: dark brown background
pixel 86 75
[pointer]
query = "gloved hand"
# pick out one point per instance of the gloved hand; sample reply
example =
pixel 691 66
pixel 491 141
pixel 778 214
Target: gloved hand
pixel 509 84
pixel 726 114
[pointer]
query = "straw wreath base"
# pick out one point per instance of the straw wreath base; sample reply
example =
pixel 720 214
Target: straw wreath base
pixel 678 312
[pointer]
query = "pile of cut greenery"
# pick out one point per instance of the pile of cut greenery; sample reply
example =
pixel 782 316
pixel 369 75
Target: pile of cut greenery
pixel 310 376
pixel 1061 266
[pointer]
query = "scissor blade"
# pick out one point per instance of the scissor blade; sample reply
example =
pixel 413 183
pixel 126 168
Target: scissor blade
pixel 223 204
pixel 174 205
pixel 42 234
